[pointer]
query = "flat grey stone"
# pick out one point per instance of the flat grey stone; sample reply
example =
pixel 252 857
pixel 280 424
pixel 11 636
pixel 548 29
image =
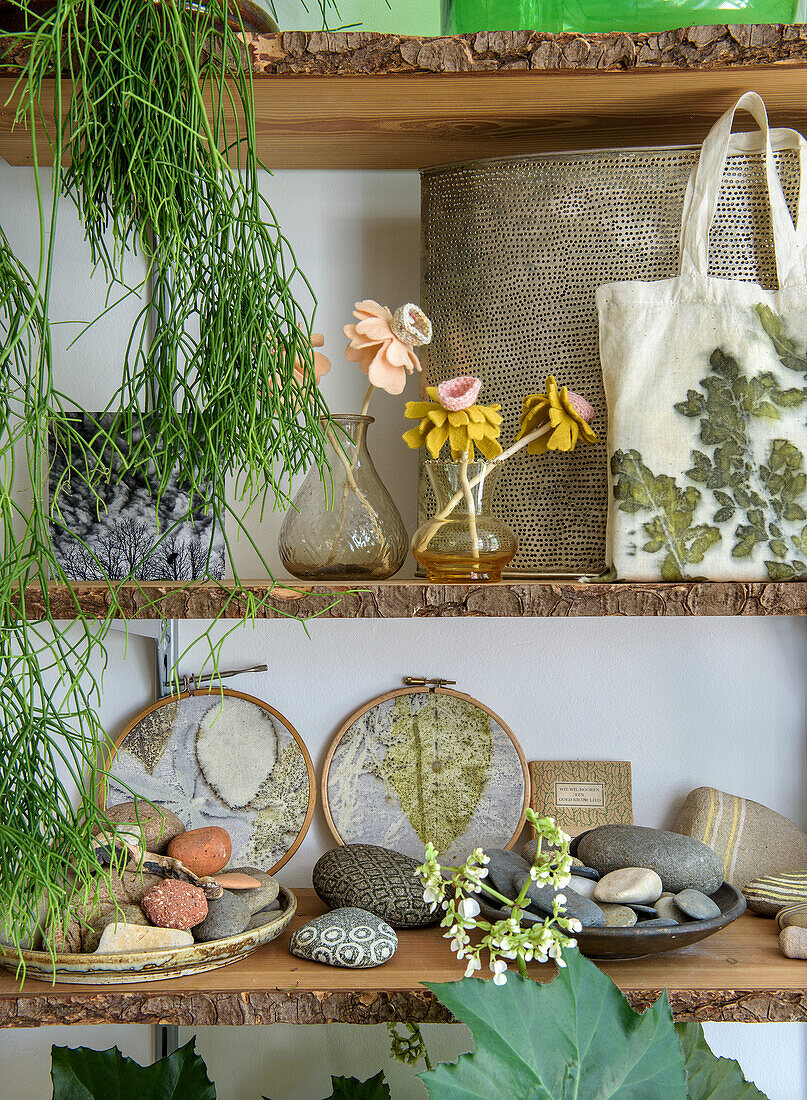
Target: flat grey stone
pixel 585 887
pixel 658 922
pixel 349 937
pixel 542 898
pixel 642 910
pixel 376 879
pixel 697 905
pixel 681 861
pixel 504 865
pixel 585 872
pixel 666 907
pixel 618 916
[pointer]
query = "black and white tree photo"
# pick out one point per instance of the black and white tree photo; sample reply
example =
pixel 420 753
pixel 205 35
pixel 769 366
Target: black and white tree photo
pixel 113 527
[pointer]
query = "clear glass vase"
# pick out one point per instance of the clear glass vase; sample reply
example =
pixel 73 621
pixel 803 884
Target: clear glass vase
pixel 464 541
pixel 347 528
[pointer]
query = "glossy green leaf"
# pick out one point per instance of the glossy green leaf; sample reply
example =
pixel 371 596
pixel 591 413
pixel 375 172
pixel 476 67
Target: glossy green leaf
pixel 84 1074
pixel 710 1077
pixel 576 1037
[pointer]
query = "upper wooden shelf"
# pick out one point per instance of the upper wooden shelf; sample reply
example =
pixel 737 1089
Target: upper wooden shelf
pixel 329 100
pixel 738 974
pixel 407 599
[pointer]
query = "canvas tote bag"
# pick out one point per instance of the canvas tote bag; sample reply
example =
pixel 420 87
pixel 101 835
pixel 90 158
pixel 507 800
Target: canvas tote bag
pixel 706 386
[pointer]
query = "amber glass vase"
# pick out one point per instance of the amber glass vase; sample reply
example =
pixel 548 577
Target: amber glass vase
pixel 346 528
pixel 464 540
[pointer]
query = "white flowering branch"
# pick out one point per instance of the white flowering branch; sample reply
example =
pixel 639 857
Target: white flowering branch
pixel 505 940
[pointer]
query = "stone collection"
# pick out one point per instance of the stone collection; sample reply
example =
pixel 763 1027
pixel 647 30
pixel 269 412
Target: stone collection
pixel 202 851
pixel 349 937
pixel 751 840
pixel 375 879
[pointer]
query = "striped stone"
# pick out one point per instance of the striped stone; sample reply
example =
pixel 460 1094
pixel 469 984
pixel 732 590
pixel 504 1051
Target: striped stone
pixel 752 840
pixel 768 895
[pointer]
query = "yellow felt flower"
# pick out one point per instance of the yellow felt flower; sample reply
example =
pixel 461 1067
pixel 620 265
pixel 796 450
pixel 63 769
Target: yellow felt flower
pixel 463 429
pixel 568 414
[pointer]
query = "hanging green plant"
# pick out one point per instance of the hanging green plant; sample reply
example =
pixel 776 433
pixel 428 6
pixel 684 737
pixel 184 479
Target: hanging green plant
pixel 153 138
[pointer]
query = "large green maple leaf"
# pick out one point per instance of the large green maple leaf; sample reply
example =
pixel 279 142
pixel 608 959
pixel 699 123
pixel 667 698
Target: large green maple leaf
pixel 575 1038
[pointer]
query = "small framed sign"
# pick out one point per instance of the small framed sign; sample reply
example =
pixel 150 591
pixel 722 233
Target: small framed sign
pixel 582 794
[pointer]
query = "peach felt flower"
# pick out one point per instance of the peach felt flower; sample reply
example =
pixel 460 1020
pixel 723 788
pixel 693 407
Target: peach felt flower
pixel 382 343
pixel 322 363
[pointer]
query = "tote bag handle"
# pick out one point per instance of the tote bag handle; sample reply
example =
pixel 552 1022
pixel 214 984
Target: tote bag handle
pixel 702 195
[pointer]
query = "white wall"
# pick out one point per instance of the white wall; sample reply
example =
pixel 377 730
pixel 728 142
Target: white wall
pixel 688 702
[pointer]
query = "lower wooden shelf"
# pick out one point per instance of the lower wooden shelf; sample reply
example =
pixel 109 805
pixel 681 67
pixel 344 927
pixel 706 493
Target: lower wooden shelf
pixel 737 975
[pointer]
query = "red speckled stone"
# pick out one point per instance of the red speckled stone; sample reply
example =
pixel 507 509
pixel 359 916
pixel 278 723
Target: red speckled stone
pixel 203 851
pixel 174 904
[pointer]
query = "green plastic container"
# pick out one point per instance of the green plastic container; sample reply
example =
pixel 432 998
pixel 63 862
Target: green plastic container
pixel 581 16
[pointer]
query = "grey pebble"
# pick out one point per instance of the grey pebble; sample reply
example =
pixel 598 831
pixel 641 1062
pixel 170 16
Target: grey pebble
pixel 642 910
pixel 659 922
pixel 618 916
pixel 504 865
pixel 542 898
pixel 697 905
pixel 666 907
pixel 681 861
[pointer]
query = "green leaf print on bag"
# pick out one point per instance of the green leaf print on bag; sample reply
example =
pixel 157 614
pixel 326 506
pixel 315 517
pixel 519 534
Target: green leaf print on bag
pixel 671 529
pixel 786 347
pixel 766 495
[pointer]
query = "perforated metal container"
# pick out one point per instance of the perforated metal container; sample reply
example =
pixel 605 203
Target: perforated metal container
pixel 513 251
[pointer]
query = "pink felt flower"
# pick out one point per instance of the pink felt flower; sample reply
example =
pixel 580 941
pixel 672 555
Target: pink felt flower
pixel 382 343
pixel 459 393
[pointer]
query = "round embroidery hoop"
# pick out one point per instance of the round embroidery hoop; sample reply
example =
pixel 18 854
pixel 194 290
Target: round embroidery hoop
pixel 158 738
pixel 394 775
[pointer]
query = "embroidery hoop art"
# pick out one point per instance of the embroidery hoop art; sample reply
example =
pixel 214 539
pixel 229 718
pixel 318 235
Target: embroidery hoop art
pixel 231 693
pixel 378 701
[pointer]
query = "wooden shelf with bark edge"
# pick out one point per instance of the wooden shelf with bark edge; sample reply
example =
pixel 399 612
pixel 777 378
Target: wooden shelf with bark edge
pixel 737 975
pixel 409 599
pixel 361 100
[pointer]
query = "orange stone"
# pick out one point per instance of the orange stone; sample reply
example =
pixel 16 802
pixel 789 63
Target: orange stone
pixel 234 880
pixel 203 851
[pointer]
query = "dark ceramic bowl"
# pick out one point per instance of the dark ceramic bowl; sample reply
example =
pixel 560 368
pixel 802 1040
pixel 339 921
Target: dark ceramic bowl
pixel 633 943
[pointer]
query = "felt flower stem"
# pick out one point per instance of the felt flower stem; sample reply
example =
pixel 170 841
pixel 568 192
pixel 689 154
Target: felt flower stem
pixel 441 517
pixel 350 483
pixel 469 500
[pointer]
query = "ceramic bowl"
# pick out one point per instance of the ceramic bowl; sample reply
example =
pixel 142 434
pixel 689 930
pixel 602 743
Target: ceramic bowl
pixel 151 966
pixel 633 943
